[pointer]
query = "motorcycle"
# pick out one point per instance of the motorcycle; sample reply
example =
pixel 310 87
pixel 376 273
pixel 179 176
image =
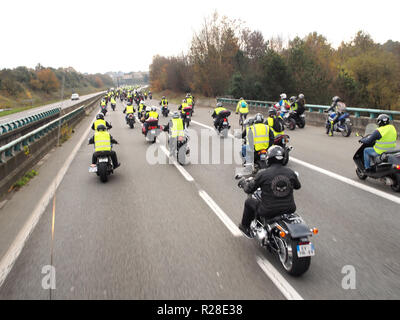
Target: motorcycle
pixel 153 131
pixel 289 120
pixel 104 166
pixel 113 105
pixel 224 128
pixel 165 111
pixel 343 124
pixel 283 140
pixel 286 235
pixel 104 110
pixel 131 120
pixel 386 167
pixel 187 116
pixel 150 96
pixel 179 148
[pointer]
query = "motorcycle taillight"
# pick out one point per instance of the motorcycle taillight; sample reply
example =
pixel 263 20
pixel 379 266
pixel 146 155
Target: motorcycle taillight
pixel 187 113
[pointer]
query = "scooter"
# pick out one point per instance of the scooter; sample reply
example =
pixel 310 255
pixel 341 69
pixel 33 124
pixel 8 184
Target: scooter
pixel 385 167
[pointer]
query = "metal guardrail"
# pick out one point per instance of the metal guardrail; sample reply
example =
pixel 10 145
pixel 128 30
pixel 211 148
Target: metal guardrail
pixel 312 107
pixel 18 144
pixel 10 126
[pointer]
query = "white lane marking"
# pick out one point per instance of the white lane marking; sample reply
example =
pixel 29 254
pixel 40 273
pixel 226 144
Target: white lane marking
pixel 280 282
pixel 353 183
pixel 8 260
pixel 220 213
pixel 185 174
pixel 336 176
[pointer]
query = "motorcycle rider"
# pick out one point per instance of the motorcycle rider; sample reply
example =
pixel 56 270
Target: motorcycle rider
pixel 103 141
pixel 383 139
pixel 175 128
pixel 113 102
pixel 283 105
pixel 243 109
pixel 275 122
pixel 163 103
pixel 258 137
pixel 277 183
pixel 184 107
pixel 100 120
pixel 301 102
pixel 339 108
pixel 219 114
pixel 129 109
pixel 151 116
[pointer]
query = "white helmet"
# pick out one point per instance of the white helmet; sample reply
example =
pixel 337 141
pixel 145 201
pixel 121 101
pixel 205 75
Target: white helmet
pixel 283 96
pixel 141 101
pixel 148 109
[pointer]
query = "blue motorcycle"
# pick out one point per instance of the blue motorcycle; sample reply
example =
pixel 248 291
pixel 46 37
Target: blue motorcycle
pixel 343 124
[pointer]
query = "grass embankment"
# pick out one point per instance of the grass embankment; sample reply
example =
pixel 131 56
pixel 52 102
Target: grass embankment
pixel 24 180
pixel 22 103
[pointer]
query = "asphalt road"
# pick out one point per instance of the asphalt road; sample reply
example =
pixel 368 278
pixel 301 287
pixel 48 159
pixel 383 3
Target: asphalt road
pixel 62 104
pixel 148 234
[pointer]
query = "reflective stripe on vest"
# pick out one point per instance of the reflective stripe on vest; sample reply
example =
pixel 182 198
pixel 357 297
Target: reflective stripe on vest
pixel 102 141
pixel 99 122
pixel 261 136
pixel 388 140
pixel 177 128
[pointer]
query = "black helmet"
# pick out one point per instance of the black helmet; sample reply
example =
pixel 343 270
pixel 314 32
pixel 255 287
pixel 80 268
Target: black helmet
pixel 101 127
pixel 336 99
pixel 100 116
pixel 259 118
pixel 275 154
pixel 383 120
pixel 272 111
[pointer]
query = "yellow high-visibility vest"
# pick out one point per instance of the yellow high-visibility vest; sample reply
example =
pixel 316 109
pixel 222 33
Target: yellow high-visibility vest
pixel 102 141
pixel 388 140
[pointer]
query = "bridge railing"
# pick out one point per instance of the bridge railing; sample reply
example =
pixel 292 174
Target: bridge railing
pixel 17 145
pixel 15 124
pixel 372 113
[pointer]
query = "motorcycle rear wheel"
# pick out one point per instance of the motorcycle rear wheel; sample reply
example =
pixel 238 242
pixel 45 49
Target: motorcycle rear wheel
pixel 102 170
pixel 293 265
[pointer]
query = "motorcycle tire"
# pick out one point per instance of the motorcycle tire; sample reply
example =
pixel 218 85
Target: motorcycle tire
pixel 291 124
pixel 285 158
pixel 360 174
pixel 301 123
pixel 396 186
pixel 102 171
pixel 293 265
pixel 347 131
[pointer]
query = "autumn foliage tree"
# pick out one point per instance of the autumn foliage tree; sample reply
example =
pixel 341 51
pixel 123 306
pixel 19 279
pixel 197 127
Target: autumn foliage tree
pixel 227 58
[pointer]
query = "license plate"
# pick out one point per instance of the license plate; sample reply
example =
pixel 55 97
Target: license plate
pixel 225 123
pixel 153 131
pixel 103 160
pixel 263 156
pixel 305 250
pixel 92 169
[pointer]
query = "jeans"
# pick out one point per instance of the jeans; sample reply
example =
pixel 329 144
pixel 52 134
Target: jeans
pixel 368 154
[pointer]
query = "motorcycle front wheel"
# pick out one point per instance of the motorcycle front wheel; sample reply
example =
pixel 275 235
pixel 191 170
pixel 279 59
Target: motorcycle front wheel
pixel 347 131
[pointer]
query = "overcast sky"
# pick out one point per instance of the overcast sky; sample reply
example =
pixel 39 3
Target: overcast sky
pixel 99 36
